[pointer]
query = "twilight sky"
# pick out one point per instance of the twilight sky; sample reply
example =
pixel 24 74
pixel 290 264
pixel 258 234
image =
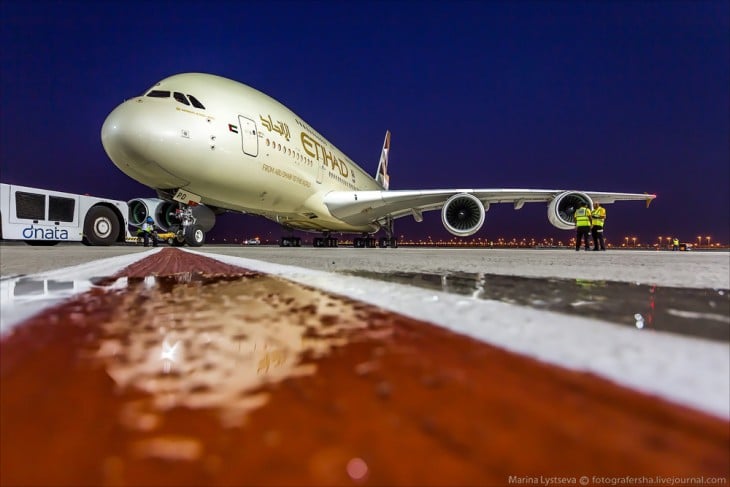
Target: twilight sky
pixel 606 96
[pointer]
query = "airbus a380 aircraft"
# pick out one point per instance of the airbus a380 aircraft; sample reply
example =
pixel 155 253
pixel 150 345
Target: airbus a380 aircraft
pixel 208 144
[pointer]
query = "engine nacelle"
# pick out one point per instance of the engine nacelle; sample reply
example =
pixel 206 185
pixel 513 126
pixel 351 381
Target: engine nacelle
pixel 163 213
pixel 562 208
pixel 204 216
pixel 463 214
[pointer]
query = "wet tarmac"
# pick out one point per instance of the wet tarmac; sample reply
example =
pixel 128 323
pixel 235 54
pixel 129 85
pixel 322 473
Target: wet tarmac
pixel 703 313
pixel 182 370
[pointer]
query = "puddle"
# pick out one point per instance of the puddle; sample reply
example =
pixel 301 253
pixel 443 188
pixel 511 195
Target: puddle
pixel 22 296
pixel 192 340
pixel 216 342
pixel 703 313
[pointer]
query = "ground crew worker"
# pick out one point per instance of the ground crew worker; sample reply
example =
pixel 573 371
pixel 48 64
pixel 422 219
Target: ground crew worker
pixel 582 225
pixel 148 230
pixel 598 217
pixel 675 243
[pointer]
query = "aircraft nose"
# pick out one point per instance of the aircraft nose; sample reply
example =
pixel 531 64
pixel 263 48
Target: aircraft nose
pixel 124 135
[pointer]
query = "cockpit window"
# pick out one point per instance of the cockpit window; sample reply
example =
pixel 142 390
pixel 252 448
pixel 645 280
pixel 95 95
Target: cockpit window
pixel 178 96
pixel 159 94
pixel 195 102
pixel 181 98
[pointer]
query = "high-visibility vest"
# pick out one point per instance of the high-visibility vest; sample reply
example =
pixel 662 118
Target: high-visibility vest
pixel 675 242
pixel 582 217
pixel 599 215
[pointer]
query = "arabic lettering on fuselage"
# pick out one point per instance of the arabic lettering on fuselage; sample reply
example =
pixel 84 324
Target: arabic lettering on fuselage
pixel 279 127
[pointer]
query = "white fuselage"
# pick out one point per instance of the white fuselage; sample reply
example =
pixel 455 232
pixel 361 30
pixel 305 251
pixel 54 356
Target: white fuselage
pixel 244 151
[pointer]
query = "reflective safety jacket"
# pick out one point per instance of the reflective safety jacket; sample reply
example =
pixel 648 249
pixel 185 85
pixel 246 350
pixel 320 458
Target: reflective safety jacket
pixel 582 217
pixel 675 242
pixel 599 215
pixel 147 227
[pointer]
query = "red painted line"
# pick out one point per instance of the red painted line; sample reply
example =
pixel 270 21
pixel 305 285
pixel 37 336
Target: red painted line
pixel 278 384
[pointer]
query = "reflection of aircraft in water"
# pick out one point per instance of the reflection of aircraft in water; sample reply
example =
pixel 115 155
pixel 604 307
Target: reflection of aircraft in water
pixel 208 144
pixel 21 296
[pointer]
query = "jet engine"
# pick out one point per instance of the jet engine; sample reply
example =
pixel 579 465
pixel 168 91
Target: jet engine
pixel 463 214
pixel 163 213
pixel 562 208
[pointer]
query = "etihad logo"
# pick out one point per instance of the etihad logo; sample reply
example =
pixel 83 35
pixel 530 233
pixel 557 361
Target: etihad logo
pixel 38 233
pixel 317 151
pixel 279 127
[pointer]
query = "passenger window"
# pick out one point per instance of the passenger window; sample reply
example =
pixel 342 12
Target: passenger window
pixel 181 98
pixel 30 205
pixel 159 94
pixel 195 102
pixel 61 209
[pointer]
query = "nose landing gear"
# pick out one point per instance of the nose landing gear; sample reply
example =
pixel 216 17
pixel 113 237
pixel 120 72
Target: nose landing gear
pixel 188 231
pixel 194 235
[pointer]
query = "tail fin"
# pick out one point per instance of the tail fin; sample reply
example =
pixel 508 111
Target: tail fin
pixel 382 174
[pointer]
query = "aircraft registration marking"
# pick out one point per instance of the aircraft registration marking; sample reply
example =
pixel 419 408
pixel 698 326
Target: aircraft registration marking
pixel 186 197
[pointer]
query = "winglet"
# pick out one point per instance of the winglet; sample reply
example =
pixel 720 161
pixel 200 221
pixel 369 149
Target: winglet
pixel 382 174
pixel 649 199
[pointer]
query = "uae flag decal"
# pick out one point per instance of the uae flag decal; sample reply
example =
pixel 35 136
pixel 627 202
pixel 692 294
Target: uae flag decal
pixel 233 128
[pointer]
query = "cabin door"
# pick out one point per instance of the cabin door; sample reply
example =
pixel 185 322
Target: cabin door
pixel 249 136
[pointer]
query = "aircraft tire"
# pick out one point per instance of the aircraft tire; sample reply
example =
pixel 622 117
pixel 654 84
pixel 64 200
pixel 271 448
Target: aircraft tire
pixel 194 236
pixel 101 226
pixel 176 241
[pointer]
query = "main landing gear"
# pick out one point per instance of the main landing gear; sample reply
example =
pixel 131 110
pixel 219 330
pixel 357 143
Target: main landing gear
pixel 364 242
pixel 318 242
pixel 290 242
pixel 325 241
pixel 367 241
pixel 389 240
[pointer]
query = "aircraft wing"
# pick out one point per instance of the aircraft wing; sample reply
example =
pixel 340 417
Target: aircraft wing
pixel 363 207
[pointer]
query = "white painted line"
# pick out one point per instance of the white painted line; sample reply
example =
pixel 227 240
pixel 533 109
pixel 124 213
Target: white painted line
pixel 686 370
